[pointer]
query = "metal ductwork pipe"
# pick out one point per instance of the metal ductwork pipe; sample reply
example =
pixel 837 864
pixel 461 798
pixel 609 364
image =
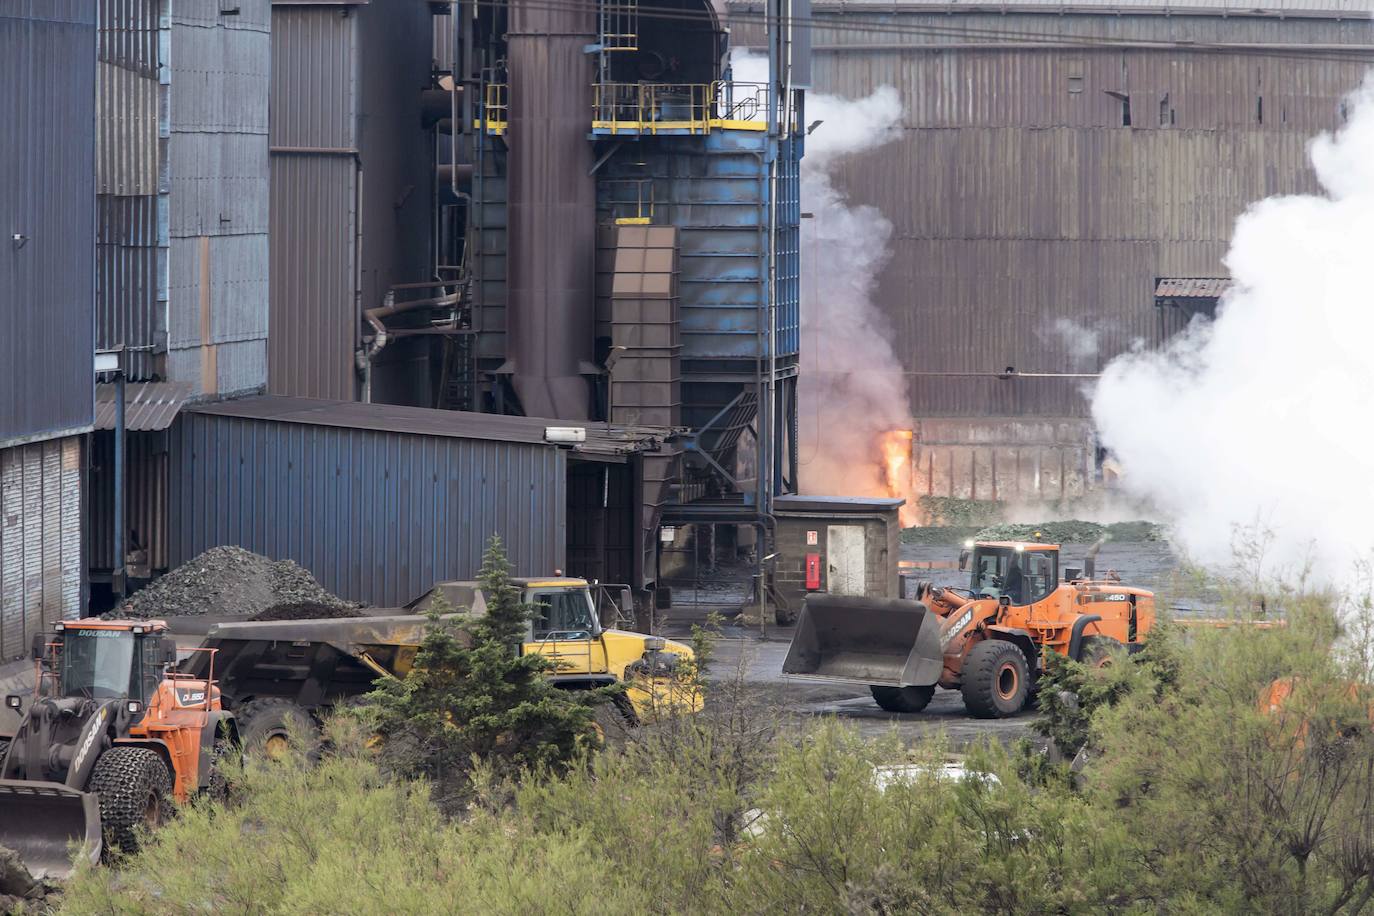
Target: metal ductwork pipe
pixel 551 246
pixel 436 104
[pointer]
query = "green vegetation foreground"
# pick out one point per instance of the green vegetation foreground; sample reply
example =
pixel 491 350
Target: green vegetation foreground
pixel 1196 797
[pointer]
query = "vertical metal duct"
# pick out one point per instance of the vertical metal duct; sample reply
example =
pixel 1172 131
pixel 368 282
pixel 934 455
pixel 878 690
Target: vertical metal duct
pixel 552 210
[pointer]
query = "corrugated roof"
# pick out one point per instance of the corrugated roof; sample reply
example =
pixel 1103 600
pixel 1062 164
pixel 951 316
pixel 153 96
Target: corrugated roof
pixel 1287 8
pixel 148 406
pixel 1192 287
pixel 796 503
pixel 601 440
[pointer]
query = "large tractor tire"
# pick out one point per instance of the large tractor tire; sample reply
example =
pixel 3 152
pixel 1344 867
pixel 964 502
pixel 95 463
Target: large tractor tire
pixel 902 699
pixel 134 788
pixel 996 679
pixel 1098 651
pixel 270 726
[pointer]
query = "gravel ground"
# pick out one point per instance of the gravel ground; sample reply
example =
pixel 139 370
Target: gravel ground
pixel 230 581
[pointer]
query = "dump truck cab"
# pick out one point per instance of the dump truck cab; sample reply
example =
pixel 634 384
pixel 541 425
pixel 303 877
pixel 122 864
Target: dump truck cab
pixel 568 627
pixel 988 640
pixel 109 738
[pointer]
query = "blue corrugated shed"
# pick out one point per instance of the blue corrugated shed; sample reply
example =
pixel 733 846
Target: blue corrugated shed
pixel 377 514
pixel 47 212
pixel 714 188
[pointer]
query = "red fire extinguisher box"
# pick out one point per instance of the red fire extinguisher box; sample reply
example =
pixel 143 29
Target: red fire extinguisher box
pixel 813 572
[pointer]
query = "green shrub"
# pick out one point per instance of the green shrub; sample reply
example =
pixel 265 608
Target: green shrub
pixel 471 696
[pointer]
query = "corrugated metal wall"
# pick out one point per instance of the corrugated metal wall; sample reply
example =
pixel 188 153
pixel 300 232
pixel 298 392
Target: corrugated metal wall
pixel 47 197
pixel 132 130
pixel 314 202
pixel 41 567
pixel 714 189
pixel 376 516
pixel 145 499
pixel 352 176
pixel 1020 200
pixel 220 65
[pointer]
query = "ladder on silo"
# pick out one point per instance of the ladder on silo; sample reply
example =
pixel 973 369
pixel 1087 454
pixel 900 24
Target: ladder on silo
pixel 618 28
pixel 619 25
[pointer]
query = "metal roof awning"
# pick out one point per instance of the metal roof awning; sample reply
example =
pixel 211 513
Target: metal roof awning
pixel 1192 287
pixel 148 406
pixel 603 442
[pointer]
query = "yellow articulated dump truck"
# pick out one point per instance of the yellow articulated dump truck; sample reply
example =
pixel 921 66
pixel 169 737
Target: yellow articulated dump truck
pixel 280 676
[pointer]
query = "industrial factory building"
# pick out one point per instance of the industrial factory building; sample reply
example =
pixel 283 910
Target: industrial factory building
pixel 47 300
pixel 398 241
pixel 1057 162
pixel 474 211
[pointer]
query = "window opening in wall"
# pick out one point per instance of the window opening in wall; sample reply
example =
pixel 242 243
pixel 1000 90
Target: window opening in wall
pixel 1074 68
pixel 1259 108
pixel 1125 100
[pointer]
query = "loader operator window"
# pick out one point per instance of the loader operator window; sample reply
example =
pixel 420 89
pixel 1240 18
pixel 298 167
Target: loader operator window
pixel 562 615
pixel 101 664
pixel 1024 577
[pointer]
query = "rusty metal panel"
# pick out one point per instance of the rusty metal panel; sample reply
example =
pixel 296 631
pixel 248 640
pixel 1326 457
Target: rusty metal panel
pixel 41 568
pixel 220 192
pixel 47 199
pixel 314 238
pixel 377 516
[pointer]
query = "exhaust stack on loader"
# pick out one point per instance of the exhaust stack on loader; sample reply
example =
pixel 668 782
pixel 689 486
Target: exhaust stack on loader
pixel 987 640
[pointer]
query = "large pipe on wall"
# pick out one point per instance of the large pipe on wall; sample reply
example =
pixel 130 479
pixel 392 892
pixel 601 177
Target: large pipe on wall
pixel 551 247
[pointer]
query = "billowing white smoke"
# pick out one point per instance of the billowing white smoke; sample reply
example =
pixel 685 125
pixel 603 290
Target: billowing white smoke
pixel 852 387
pixel 1261 420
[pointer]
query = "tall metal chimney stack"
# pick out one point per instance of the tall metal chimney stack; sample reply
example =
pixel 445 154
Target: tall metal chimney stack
pixel 552 207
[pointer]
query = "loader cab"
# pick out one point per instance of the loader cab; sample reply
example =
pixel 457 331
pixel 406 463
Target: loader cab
pixel 1023 573
pixel 100 661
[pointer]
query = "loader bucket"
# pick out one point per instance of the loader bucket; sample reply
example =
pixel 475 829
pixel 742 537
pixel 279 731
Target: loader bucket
pixel 48 824
pixel 882 641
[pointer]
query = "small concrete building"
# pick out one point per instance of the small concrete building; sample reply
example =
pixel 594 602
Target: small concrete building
pixel 835 544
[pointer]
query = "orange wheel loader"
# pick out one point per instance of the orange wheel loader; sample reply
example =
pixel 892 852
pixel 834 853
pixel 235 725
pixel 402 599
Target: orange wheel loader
pixel 110 738
pixel 987 641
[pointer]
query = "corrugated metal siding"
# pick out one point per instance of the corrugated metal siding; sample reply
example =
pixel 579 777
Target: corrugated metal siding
pixel 715 190
pixel 47 195
pixel 1019 201
pixel 132 99
pixel 314 315
pixel 145 513
pixel 377 517
pixel 41 568
pixel 220 192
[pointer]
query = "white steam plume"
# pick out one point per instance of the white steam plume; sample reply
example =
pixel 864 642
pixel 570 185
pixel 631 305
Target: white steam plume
pixel 1261 418
pixel 852 388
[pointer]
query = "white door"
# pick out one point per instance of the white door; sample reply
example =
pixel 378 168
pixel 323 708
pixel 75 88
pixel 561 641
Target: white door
pixel 844 551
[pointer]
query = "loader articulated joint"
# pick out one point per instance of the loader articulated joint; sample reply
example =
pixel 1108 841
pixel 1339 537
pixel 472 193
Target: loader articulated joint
pixel 1076 634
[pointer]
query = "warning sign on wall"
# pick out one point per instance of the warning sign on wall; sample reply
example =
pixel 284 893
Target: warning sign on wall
pixel 812 538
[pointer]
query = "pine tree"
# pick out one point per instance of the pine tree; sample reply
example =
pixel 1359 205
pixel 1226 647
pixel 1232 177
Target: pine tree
pixel 471 697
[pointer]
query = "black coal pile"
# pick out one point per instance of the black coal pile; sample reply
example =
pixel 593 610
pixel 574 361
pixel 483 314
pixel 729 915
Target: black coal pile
pixel 229 580
pixel 306 610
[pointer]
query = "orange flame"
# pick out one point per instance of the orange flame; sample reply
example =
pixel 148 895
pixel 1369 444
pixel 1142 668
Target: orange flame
pixel 896 446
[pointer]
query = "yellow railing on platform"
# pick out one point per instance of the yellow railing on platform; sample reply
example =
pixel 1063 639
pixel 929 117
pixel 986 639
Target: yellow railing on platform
pixel 648 108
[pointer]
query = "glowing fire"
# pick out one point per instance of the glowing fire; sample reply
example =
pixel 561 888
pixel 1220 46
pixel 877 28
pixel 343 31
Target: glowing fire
pixel 896 446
